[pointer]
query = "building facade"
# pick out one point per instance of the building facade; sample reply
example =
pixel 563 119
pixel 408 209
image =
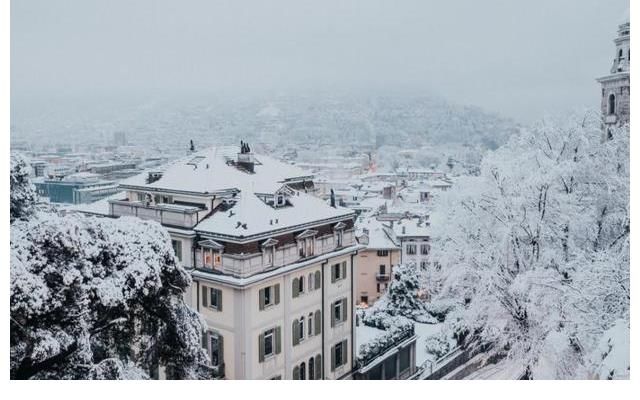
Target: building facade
pixel 272 266
pixel 616 89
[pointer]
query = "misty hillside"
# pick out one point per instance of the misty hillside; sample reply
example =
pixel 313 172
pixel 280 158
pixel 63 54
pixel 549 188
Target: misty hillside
pixel 367 120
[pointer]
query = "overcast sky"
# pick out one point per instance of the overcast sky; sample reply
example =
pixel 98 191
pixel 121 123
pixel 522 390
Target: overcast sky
pixel 520 58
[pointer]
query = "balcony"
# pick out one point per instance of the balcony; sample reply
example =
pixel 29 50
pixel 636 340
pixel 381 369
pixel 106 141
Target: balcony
pixel 610 119
pixel 166 214
pixel 382 277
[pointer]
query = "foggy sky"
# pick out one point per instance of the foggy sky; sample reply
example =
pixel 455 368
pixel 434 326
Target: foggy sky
pixel 515 57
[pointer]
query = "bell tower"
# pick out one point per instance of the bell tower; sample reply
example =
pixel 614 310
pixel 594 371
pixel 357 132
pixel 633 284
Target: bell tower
pixel 615 86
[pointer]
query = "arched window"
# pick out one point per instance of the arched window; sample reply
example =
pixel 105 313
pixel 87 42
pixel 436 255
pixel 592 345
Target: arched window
pixel 301 285
pixel 620 54
pixel 311 369
pixel 612 104
pixel 310 325
pixel 303 371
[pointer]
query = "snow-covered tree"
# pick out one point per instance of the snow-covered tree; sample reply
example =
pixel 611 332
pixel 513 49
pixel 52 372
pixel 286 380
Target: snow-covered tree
pixel 402 298
pixel 438 344
pixel 536 248
pixel 97 298
pixel 22 192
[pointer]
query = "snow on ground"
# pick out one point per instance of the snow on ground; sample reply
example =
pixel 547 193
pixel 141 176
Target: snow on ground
pixel 365 334
pixel 422 332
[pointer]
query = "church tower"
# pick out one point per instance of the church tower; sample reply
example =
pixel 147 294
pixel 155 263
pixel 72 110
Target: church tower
pixel 615 86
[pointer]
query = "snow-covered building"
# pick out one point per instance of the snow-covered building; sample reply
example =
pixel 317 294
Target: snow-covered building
pixel 272 266
pixel 414 238
pixel 616 89
pixel 375 262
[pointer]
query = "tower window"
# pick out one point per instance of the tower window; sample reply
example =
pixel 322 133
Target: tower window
pixel 620 54
pixel 612 104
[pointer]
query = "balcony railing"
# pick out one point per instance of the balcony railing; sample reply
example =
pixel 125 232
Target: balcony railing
pixel 166 214
pixel 382 277
pixel 372 350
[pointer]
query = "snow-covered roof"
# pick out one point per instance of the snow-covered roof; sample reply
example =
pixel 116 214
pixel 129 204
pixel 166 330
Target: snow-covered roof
pixel 411 227
pixel 209 171
pixel 257 217
pixel 378 237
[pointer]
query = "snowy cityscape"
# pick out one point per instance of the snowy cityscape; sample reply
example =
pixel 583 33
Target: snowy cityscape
pixel 376 234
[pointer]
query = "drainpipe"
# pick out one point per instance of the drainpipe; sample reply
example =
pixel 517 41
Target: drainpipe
pixel 353 314
pixel 324 360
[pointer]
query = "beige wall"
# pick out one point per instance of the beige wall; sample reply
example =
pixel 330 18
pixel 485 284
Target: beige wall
pixel 367 268
pixel 241 322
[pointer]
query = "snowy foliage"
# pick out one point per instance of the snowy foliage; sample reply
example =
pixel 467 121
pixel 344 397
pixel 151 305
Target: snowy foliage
pixel 438 344
pixel 402 298
pixel 99 298
pixel 536 248
pixel 396 329
pixel 23 193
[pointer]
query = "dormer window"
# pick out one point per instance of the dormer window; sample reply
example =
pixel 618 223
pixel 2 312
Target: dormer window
pixel 306 243
pixel 280 198
pixel 269 252
pixel 211 254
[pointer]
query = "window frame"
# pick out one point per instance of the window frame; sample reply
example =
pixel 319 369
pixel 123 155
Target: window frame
pixel 213 292
pixel 269 334
pixel 270 302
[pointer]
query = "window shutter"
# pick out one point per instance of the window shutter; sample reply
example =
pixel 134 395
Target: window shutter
pixel 205 340
pixel 344 352
pixel 333 275
pixel 294 287
pixel 261 302
pixel 220 349
pixel 343 273
pixel 317 322
pixel 278 340
pixel 261 347
pixel 219 299
pixel 318 367
pixel 204 296
pixel 296 373
pixel 333 358
pixel 332 316
pixel 344 309
pixel 276 294
pixel 317 279
pixel 296 334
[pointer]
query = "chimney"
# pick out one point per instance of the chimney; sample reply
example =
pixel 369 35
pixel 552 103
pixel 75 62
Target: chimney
pixel 245 159
pixel 333 199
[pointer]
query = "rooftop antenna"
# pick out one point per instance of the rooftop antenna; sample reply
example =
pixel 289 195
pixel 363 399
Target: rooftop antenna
pixel 192 147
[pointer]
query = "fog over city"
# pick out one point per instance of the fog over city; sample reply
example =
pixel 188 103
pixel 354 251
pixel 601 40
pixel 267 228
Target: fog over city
pixel 520 59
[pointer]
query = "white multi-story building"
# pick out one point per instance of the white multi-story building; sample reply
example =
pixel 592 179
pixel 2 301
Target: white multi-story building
pixel 272 266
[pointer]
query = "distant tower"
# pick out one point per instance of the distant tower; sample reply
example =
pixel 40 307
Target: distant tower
pixel 615 86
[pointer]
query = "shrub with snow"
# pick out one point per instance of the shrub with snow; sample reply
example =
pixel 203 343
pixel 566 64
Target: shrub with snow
pixel 22 192
pixel 97 298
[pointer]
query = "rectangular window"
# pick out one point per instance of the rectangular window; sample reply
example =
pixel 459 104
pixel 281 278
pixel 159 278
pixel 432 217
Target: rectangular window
pixel 339 354
pixel 339 271
pixel 267 296
pixel 411 249
pixel 215 299
pixel 382 269
pixel 378 287
pixel 177 248
pixel 383 253
pixel 364 299
pixel 424 249
pixel 268 343
pixel 335 272
pixel 337 311
pixel 214 341
pixel 423 264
